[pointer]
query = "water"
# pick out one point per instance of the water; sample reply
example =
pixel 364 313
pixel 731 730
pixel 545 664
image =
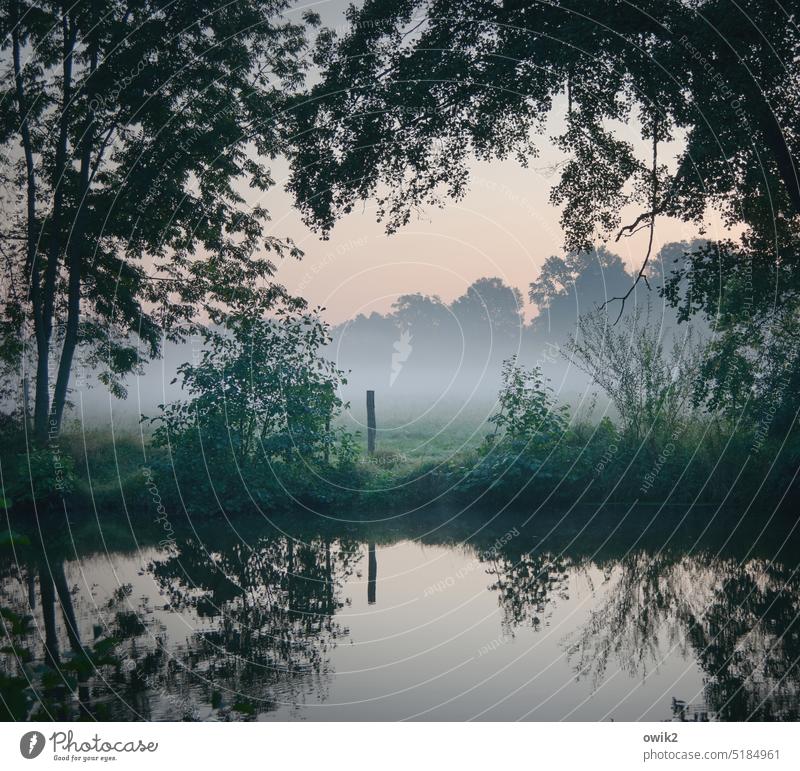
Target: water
pixel 582 617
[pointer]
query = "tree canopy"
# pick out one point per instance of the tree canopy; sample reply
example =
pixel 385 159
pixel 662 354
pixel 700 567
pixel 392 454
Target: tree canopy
pixel 415 90
pixel 129 133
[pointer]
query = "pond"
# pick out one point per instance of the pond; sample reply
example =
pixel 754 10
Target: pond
pixel 611 615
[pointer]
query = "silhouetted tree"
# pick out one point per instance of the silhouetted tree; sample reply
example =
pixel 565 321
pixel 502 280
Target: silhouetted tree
pixel 136 124
pixel 491 309
pixel 414 91
pixel 568 287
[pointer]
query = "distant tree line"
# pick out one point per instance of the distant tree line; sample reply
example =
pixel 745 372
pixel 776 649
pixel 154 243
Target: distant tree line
pixel 427 345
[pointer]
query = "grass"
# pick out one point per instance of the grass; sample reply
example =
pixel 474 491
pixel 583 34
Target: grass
pixel 420 458
pixel 420 434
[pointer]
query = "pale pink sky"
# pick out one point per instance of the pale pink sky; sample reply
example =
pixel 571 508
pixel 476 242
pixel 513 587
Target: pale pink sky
pixel 504 227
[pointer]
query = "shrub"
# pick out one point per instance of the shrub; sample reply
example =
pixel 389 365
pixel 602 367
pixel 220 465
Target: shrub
pixel 258 420
pixel 650 388
pixel 30 472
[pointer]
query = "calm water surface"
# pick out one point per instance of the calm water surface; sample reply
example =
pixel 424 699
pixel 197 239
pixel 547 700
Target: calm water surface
pixel 435 621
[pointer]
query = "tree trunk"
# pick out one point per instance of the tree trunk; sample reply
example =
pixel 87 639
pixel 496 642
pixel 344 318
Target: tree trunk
pixel 73 633
pixel 75 254
pixel 41 403
pixel 42 414
pixel 67 608
pixel 41 399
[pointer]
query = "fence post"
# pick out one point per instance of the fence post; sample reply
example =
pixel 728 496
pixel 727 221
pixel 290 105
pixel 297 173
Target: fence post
pixel 371 425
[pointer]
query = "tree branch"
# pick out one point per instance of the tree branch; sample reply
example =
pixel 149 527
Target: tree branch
pixel 652 215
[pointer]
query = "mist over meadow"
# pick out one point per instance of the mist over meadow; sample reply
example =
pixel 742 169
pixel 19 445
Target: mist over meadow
pixel 435 361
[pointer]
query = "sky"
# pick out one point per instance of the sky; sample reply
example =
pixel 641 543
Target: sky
pixel 505 227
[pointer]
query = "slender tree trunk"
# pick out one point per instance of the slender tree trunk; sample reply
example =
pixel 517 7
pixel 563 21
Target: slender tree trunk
pixel 31 584
pixel 41 403
pixel 290 574
pixel 41 399
pixel 328 579
pixel 70 341
pixel 26 402
pixel 73 634
pixel 75 256
pixel 43 417
pixel 67 608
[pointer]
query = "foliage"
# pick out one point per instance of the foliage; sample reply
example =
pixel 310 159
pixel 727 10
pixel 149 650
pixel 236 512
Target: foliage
pixel 33 473
pixel 752 359
pixel 414 91
pixel 260 389
pixel 260 410
pixel 125 213
pixel 527 408
pixel 589 275
pixel 43 683
pixel 651 389
pixel 412 112
pixel 492 308
pixel 529 446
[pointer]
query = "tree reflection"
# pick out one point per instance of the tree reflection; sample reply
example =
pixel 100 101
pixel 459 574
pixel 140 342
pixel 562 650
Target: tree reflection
pixel 242 627
pixel 260 621
pixel 45 667
pixel 748 642
pixel 737 620
pixel 264 622
pixel 526 584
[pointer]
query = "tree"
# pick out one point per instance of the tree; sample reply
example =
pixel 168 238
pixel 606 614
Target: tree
pixel 139 126
pixel 575 284
pixel 753 358
pixel 415 90
pixel 490 309
pixel 651 389
pixel 260 390
pixel 421 312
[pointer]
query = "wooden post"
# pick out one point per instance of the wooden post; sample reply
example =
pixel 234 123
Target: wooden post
pixel 371 425
pixel 372 573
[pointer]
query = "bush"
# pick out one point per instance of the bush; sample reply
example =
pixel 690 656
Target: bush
pixel 33 473
pixel 258 420
pixel 650 388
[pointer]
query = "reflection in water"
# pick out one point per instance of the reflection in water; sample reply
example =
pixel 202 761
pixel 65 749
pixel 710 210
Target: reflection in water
pixel 738 621
pixel 526 584
pixel 276 625
pixel 264 618
pixel 373 574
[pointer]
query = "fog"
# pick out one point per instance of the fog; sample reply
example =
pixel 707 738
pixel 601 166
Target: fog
pixel 436 363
